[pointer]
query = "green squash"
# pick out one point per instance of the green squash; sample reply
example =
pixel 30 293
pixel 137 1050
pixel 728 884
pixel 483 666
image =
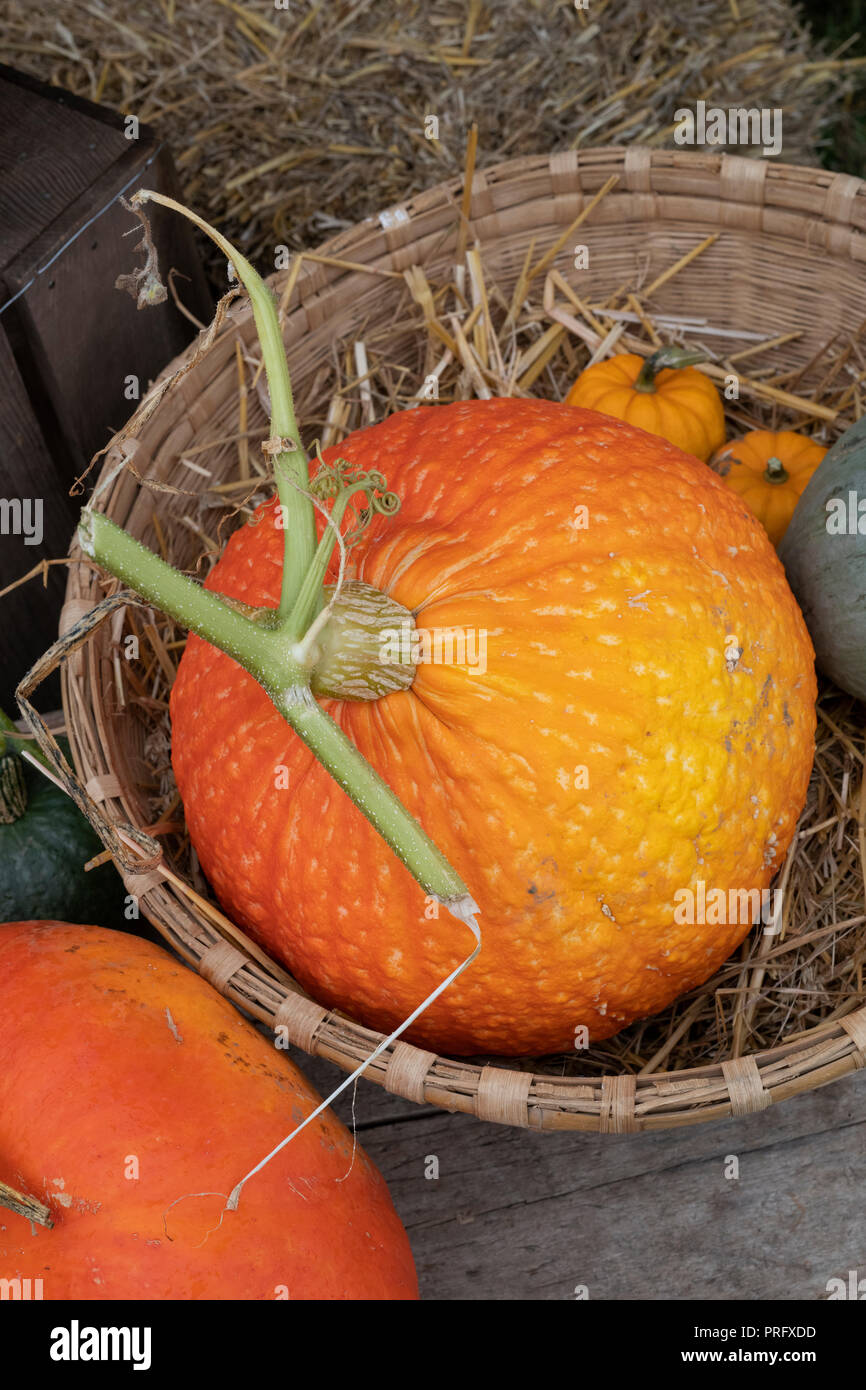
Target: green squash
pixel 824 554
pixel 44 844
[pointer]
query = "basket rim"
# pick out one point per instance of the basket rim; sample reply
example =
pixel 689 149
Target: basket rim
pixel 829 211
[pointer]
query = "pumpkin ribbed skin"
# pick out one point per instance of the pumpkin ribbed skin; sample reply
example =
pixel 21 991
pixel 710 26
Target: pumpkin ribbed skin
pixel 111 1051
pixel 743 464
pixel 685 408
pixel 606 648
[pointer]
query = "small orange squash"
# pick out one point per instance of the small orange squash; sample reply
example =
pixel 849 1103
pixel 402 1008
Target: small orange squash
pixel 662 394
pixel 127 1082
pixel 769 470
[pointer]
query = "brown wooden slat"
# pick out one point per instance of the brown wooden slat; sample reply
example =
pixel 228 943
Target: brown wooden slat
pixel 28 622
pixel 52 147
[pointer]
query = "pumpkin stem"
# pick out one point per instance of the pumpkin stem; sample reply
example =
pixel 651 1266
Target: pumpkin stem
pixel 284 669
pixel 13 789
pixel 776 472
pixel 342 482
pixel 663 358
pixel 363 651
pixel 290 461
pixel 25 1205
pixel 282 655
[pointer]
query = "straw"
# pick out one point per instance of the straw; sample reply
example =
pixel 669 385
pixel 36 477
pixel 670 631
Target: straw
pixel 264 107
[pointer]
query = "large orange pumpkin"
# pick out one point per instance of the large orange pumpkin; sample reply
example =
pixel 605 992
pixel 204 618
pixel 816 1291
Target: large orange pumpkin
pixel 644 723
pixel 126 1082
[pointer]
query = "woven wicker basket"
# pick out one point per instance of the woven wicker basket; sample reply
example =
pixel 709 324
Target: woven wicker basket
pixel 785 228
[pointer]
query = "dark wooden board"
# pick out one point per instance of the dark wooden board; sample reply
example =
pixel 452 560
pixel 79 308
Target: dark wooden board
pixel 75 339
pixel 26 469
pixel 39 124
pixel 80 336
pixel 517 1215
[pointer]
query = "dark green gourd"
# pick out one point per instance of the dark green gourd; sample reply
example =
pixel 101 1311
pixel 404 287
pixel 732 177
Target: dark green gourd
pixel 44 844
pixel 824 554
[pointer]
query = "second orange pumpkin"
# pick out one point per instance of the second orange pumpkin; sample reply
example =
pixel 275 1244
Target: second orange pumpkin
pixel 133 1084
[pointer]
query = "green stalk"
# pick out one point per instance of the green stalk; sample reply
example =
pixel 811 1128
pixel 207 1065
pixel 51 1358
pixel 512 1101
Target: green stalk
pixel 776 472
pixel 291 466
pixel 663 358
pixel 6 724
pixel 385 812
pixel 274 652
pixel 203 612
pixel 18 745
pixel 307 602
pixel 263 651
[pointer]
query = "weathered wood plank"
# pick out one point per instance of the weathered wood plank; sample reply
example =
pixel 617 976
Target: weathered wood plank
pixel 79 347
pixel 81 337
pixel 52 146
pixel 27 471
pixel 520 1215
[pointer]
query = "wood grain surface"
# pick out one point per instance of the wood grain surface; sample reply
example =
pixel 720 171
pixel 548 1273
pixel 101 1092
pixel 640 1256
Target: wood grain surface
pixel 78 142
pixel 517 1215
pixel 74 349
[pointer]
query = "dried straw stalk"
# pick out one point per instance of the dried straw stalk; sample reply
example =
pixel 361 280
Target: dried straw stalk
pixel 291 124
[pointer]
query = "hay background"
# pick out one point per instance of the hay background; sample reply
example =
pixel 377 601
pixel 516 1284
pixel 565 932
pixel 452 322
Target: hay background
pixel 287 126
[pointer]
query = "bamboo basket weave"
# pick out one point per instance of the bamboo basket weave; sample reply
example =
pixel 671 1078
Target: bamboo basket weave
pixel 793 255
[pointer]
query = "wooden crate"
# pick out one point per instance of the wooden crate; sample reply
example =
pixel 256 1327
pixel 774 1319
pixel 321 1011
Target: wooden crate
pixel 70 341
